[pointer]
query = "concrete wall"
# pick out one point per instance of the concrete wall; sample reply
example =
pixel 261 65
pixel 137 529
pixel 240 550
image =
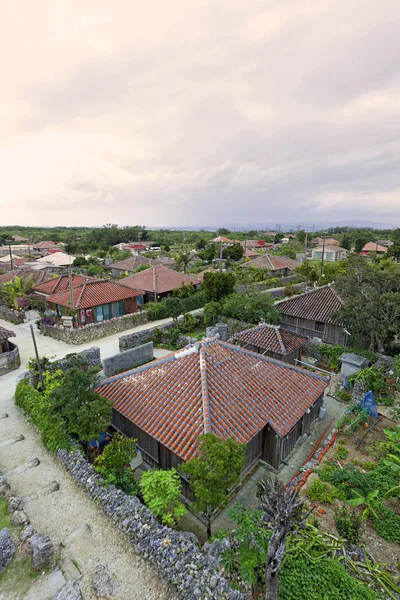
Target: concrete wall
pixel 95 331
pixel 14 316
pixel 9 361
pixel 128 359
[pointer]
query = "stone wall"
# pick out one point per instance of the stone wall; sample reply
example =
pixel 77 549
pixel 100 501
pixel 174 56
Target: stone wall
pixel 9 361
pixel 176 555
pixel 91 357
pixel 133 340
pixel 128 359
pixel 14 316
pixel 96 330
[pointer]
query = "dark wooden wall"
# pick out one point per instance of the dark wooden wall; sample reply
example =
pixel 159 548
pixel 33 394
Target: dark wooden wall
pixel 331 334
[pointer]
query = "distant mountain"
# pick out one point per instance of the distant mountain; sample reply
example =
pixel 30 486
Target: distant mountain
pixel 288 226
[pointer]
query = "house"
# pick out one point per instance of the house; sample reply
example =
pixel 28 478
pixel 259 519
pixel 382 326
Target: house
pixel 250 254
pixel 5 262
pixel 372 249
pixel 222 240
pixel 331 253
pixel 19 238
pixel 273 341
pixel 59 284
pixel 386 243
pixel 38 276
pixel 319 241
pixel 276 265
pixel 158 282
pixel 43 247
pixel 130 264
pixel 9 353
pixel 312 315
pixel 256 244
pixel 167 261
pixel 96 300
pixel 57 259
pixel 214 387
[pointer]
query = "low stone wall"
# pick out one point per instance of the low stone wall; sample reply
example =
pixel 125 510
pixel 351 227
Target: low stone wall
pixel 133 340
pixel 128 359
pixel 96 330
pixel 9 361
pixel 91 357
pixel 174 554
pixel 14 316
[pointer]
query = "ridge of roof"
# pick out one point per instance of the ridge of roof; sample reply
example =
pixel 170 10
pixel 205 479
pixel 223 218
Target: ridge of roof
pixel 204 391
pixel 315 290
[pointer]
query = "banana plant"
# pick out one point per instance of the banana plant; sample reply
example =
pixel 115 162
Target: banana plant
pixel 370 502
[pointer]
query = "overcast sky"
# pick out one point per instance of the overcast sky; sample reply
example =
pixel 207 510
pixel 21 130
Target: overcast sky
pixel 196 112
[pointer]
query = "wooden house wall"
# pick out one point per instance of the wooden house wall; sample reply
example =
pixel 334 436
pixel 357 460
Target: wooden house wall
pixel 147 445
pixel 331 334
pixel 253 450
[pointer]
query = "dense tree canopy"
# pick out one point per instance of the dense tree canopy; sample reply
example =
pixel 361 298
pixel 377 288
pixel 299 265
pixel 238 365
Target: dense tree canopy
pixel 218 285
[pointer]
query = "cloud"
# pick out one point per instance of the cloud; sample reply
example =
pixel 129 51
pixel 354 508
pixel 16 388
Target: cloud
pixel 190 113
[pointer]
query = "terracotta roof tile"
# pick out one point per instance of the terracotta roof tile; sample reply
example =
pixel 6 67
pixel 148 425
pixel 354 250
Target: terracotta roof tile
pixel 132 263
pixel 272 338
pixel 5 334
pixel 94 293
pixel 272 263
pixel 317 305
pixel 374 247
pixel 214 386
pixel 60 284
pixel 166 280
pixel 38 275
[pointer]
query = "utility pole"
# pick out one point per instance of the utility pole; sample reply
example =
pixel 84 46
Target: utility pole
pixel 323 254
pixel 245 244
pixel 220 257
pixel 305 243
pixel 71 295
pixel 155 283
pixel 11 259
pixel 39 366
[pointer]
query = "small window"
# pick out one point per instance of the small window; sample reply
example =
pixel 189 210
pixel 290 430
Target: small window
pixel 319 326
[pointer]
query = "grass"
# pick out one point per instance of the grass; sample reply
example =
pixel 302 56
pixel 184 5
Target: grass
pixel 5 517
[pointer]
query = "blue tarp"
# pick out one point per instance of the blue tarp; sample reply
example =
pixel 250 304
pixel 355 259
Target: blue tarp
pixel 103 440
pixel 368 403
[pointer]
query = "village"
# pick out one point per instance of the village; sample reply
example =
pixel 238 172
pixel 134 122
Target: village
pixel 216 394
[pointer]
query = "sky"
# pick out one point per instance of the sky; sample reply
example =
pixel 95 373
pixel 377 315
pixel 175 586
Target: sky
pixel 199 112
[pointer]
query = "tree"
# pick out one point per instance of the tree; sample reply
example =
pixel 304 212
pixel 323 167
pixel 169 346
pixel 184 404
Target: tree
pixel 223 231
pixel 394 250
pixel 161 492
pixel 182 259
pixel 84 411
pixel 278 237
pixel 346 242
pixel 251 307
pixel 201 244
pixel 209 252
pixel 211 312
pixel 234 252
pixel 301 236
pixel 282 512
pixel 175 307
pixel 213 472
pixel 218 285
pixel 79 261
pixel 360 242
pixel 15 289
pixel 371 302
pixel 114 463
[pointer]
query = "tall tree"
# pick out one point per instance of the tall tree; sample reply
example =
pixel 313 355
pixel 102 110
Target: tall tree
pixel 218 285
pixel 282 513
pixel 251 307
pixel 346 242
pixel 394 250
pixel 213 472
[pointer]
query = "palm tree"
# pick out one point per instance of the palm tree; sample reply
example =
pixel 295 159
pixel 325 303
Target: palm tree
pixel 15 289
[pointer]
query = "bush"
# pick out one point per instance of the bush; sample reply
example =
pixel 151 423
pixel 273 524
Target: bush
pixel 348 524
pixel 161 492
pixel 156 311
pixel 343 395
pixel 341 452
pixel 189 323
pixel 387 525
pixel 113 463
pixel 250 307
pixel 322 492
pixel 212 312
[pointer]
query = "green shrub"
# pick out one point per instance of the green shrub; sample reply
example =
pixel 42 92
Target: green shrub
pixel 113 463
pixel 156 311
pixel 161 492
pixel 387 525
pixel 343 395
pixel 348 524
pixel 370 378
pixel 322 492
pixel 302 578
pixel 341 451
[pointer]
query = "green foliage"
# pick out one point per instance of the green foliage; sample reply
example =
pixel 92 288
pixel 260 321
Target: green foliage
pixel 233 252
pixel 218 285
pixel 12 291
pixel 343 395
pixel 156 311
pixel 79 261
pixel 348 524
pixel 303 578
pixel 251 307
pixel 212 312
pixel 189 323
pixel 387 524
pixel 113 463
pixel 174 306
pixel 370 378
pixel 214 471
pixel 208 253
pixel 322 492
pixel 341 452
pixel 161 492
pixel 330 354
pixel 371 502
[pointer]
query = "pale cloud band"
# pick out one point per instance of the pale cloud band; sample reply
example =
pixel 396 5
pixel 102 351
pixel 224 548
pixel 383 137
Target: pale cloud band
pixel 200 112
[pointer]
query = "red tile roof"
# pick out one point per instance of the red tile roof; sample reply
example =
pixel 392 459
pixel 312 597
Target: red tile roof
pixel 257 244
pixel 328 241
pixel 215 387
pixel 318 305
pixel 272 263
pixel 374 247
pixel 17 262
pixel 271 338
pixel 60 284
pixel 166 280
pixel 250 253
pixel 44 245
pixel 132 263
pixel 39 275
pixel 94 293
pixel 5 334
pixel 20 238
